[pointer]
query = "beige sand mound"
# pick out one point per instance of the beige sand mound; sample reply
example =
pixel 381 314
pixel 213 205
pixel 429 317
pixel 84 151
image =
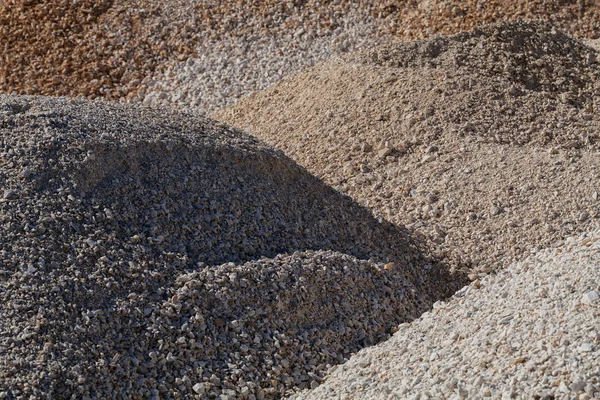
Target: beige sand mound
pixel 481 144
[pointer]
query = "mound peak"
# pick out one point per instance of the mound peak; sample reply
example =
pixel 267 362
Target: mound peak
pixel 534 54
pixel 154 177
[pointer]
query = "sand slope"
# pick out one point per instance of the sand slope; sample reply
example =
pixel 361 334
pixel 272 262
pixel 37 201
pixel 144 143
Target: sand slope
pixel 484 142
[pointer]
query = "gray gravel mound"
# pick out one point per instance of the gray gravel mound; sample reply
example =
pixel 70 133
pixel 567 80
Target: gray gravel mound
pixel 104 206
pixel 283 320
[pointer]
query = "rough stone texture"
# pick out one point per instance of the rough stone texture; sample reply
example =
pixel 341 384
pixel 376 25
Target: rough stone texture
pixel 114 223
pixel 423 19
pixel 130 256
pixel 523 333
pixel 595 43
pixel 104 49
pixel 481 143
pixel 273 326
pixel 87 48
pixel 250 65
pixel 232 67
pixel 138 50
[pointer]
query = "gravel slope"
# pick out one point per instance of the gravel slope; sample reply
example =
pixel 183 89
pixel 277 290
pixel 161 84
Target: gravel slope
pixel 528 332
pixel 232 67
pixel 136 259
pixel 150 254
pixel 139 50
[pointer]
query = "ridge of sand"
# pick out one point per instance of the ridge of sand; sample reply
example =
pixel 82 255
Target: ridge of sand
pixel 484 147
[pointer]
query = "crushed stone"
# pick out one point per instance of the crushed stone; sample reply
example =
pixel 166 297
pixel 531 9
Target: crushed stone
pixel 232 67
pixel 522 333
pixel 138 50
pixel 152 254
pixel 88 48
pixel 428 18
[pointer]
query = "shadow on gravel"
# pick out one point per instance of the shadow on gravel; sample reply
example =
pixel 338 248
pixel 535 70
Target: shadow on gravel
pixel 105 207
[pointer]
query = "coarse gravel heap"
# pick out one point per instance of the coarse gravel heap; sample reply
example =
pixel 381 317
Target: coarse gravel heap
pixel 485 143
pixel 428 18
pixel 106 48
pixel 148 254
pixel 87 48
pixel 230 66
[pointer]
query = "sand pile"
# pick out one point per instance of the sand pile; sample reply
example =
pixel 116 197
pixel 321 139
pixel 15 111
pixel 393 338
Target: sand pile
pixel 484 142
pixel 512 61
pixel 115 223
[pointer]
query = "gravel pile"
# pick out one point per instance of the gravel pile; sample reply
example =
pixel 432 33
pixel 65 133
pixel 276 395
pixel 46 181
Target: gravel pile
pixel 424 19
pixel 106 48
pixel 267 328
pixel 232 67
pixel 88 48
pixel 236 65
pixel 205 55
pixel 115 222
pixel 528 68
pixel 529 332
pixel 150 254
pixel 483 143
